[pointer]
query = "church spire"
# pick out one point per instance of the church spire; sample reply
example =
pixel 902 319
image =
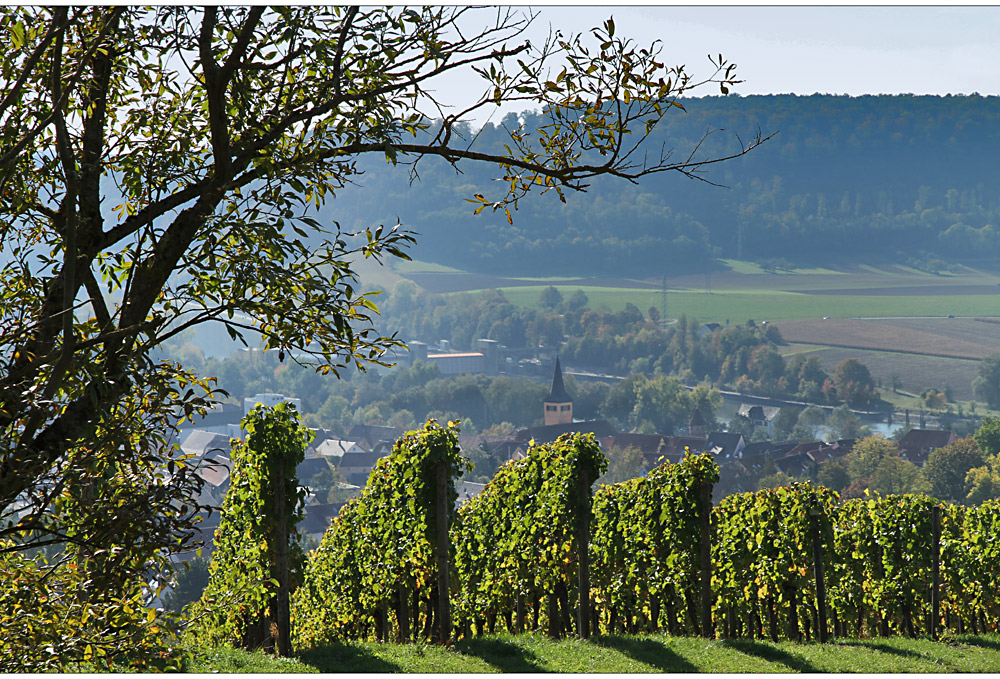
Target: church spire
pixel 558 393
pixel 558 404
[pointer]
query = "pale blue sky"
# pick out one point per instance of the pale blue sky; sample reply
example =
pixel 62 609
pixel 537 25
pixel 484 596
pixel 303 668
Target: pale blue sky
pixel 808 49
pixel 835 50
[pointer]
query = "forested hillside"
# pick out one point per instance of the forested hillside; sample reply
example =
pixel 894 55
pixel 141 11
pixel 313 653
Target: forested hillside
pixel 903 178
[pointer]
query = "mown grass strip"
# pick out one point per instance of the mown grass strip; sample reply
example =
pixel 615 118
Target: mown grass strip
pixel 533 653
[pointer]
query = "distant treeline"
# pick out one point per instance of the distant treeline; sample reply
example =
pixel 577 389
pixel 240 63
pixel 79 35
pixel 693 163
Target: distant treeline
pixel 904 178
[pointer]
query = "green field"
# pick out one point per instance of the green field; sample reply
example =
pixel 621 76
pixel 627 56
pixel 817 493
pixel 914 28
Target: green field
pixel 744 290
pixel 771 305
pixel 619 654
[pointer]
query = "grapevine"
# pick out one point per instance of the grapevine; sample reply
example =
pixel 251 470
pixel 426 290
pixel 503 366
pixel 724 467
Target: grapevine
pixel 378 553
pixel 515 540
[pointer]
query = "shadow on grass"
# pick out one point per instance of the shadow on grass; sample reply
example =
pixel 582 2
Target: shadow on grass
pixel 770 653
pixel 346 657
pixel 503 655
pixel 886 648
pixel 648 651
pixel 982 642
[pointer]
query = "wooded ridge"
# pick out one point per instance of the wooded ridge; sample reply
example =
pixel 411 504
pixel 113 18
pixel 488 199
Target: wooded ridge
pixel 898 177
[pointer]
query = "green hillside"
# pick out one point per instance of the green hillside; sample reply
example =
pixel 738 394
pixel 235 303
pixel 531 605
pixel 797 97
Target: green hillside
pixel 908 179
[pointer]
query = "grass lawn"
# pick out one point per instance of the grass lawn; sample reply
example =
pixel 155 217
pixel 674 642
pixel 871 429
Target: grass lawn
pixel 623 654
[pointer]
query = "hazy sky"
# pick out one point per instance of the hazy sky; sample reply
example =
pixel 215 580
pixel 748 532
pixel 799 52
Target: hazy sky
pixel 803 50
pixel 835 50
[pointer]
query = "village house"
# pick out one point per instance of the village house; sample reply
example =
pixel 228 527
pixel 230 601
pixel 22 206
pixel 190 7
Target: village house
pixel 334 449
pixel 725 445
pixel 760 416
pixel 484 361
pixel 368 436
pixel 708 329
pixel 917 444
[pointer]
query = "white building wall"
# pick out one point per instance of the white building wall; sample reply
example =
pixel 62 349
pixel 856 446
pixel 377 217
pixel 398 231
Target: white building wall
pixel 269 400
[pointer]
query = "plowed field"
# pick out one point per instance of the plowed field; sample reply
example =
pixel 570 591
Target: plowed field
pixel 966 338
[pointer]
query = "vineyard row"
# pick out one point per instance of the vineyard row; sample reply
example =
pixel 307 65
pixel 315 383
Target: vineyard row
pixel 794 563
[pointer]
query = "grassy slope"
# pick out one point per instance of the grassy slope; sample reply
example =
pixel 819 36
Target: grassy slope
pixel 621 654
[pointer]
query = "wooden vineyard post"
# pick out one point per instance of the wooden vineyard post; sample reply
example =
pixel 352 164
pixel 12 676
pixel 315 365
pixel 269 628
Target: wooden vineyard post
pixel 883 621
pixel 583 552
pixel 706 559
pixel 519 612
pixel 283 612
pixel 818 573
pixel 402 616
pixel 444 604
pixel 553 603
pixel 935 569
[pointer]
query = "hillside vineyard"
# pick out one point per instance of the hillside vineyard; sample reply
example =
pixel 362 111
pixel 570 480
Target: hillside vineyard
pixel 789 563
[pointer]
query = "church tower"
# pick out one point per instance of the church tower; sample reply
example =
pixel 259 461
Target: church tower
pixel 696 427
pixel 558 404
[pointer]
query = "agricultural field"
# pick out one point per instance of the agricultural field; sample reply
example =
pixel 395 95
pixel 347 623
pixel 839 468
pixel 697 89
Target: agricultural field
pixel 916 372
pixel 744 290
pixel 922 352
pixel 968 338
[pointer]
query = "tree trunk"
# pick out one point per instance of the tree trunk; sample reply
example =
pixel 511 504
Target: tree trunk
pixel 566 618
pixel 819 575
pixel 402 616
pixel 519 607
pixel 553 601
pixel 793 613
pixel 536 609
pixel 883 622
pixel 416 613
pixel 692 612
pixel 429 621
pixel 908 621
pixel 772 619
